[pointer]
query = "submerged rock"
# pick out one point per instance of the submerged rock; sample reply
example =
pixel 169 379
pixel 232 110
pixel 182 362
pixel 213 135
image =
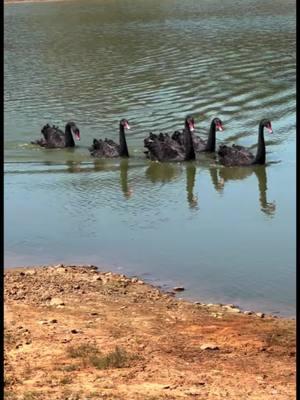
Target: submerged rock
pixel 178 288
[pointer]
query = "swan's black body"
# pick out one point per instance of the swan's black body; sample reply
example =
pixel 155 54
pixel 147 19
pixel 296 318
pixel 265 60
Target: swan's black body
pixel 107 148
pixel 201 145
pixel 239 155
pixel 56 138
pixel 162 147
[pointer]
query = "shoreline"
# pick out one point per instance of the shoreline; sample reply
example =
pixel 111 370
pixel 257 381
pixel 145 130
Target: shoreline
pixel 78 330
pixel 167 288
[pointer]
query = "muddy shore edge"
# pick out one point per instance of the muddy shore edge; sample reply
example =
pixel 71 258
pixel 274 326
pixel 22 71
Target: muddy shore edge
pixel 76 332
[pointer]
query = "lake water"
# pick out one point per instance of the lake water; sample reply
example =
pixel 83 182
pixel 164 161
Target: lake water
pixel 225 234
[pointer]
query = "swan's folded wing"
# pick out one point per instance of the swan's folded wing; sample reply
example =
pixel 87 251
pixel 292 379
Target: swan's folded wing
pixel 54 136
pixel 235 155
pixel 104 148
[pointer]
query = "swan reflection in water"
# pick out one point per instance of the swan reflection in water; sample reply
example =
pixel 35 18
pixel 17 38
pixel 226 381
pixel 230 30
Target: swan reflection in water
pixel 220 176
pixel 127 191
pixel 167 172
pixel 102 165
pixel 190 183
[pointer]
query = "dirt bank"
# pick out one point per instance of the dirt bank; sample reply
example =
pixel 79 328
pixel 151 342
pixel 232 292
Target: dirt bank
pixel 75 333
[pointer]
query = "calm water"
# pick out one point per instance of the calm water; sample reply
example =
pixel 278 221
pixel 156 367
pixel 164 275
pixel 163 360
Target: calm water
pixel 226 234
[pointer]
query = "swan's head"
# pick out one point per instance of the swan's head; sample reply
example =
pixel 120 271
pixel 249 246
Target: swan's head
pixel 267 124
pixel 190 123
pixel 218 124
pixel 74 129
pixel 124 123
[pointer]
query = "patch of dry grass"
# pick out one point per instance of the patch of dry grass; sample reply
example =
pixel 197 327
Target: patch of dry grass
pixel 91 355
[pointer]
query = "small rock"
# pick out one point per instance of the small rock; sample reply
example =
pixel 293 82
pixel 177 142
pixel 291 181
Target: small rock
pixel 76 286
pixel 94 313
pixel 43 322
pixel 166 387
pixel 234 310
pixel 22 273
pixel 53 321
pixel 140 282
pixel 217 315
pixel 248 312
pixel 193 392
pixel 56 302
pixel 134 280
pixel 97 278
pixel 74 331
pixel 178 289
pixel 58 266
pixel 260 315
pixel 209 346
pixel 198 303
pixel 30 272
pixel 66 340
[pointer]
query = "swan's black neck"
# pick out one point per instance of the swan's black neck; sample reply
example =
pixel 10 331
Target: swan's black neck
pixel 123 144
pixel 69 137
pixel 211 141
pixel 260 157
pixel 189 145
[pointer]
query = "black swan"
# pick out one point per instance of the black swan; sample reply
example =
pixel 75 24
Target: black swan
pixel 107 148
pixel 56 138
pixel 239 155
pixel 201 145
pixel 163 148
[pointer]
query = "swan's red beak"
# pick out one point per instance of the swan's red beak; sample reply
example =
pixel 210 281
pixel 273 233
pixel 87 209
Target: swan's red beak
pixel 77 135
pixel 126 126
pixel 220 127
pixel 270 129
pixel 192 127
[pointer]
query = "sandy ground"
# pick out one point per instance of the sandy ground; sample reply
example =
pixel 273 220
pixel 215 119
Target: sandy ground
pixel 74 333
